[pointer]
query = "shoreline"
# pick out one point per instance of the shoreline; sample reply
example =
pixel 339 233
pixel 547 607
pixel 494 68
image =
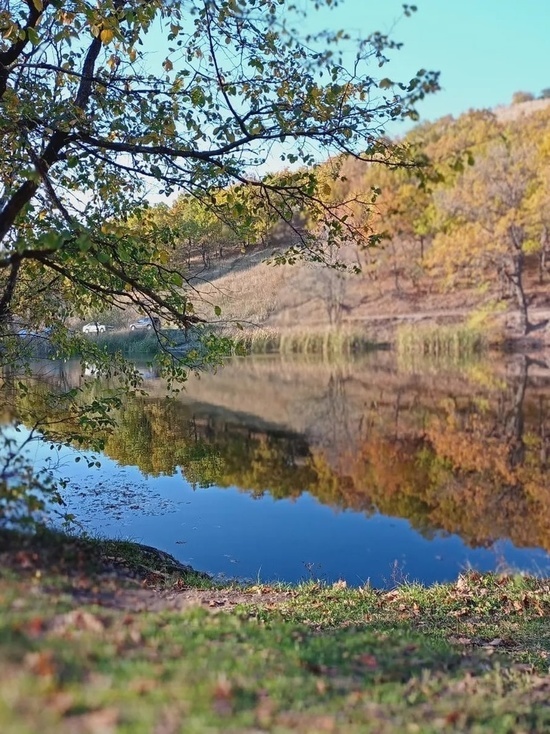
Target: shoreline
pixel 127 646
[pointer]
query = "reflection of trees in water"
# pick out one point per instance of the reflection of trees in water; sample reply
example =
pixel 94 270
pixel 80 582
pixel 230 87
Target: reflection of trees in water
pixel 153 435
pixel 334 425
pixel 161 436
pixel 494 481
pixel 473 463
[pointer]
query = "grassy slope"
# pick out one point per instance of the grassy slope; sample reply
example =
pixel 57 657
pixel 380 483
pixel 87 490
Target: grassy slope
pixel 472 656
pixel 293 299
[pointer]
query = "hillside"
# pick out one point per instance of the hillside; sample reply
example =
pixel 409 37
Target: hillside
pixel 473 235
pixel 260 295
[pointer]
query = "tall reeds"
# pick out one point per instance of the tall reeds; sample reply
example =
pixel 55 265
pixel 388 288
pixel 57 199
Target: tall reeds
pixel 440 344
pixel 327 341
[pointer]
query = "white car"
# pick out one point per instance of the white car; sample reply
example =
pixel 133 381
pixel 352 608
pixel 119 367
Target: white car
pixel 94 328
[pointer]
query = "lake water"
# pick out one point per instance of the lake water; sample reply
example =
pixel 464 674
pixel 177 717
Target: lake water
pixel 374 470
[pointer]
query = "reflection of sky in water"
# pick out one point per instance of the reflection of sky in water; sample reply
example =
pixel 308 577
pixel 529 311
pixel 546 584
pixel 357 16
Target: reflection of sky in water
pixel 227 532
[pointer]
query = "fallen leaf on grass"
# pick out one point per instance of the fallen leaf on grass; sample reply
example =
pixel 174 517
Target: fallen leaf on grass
pixel 524 668
pixel 306 723
pixel 223 697
pixel 391 595
pixel 369 661
pixel 26 559
pixel 61 702
pixel 34 627
pixel 461 641
pixel 453 717
pixel 77 619
pixel 41 663
pixel 143 685
pixel 265 709
pixel 321 686
pixel 102 721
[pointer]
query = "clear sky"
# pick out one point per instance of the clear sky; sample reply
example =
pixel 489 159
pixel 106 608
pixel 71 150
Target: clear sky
pixel 485 49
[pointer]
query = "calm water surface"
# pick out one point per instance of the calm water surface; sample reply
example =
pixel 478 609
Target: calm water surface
pixel 373 470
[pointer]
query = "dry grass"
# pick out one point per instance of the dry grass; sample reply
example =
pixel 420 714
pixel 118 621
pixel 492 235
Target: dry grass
pixel 325 341
pixel 440 342
pixel 247 296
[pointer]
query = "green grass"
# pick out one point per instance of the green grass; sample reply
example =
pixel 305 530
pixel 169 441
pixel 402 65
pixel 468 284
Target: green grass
pixel 466 657
pixel 130 344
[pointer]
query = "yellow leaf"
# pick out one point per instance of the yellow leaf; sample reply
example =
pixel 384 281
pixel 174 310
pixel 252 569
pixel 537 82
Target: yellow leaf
pixel 38 4
pixel 164 257
pixel 106 36
pixel 132 54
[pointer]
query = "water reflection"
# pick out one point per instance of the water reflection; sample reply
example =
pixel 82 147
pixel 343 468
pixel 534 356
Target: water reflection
pixel 453 453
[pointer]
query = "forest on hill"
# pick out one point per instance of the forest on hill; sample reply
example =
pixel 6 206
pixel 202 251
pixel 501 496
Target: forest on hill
pixel 467 226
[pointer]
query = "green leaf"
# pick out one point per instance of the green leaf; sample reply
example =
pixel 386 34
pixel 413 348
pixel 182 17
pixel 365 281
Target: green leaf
pixel 197 97
pixel 33 36
pixel 83 242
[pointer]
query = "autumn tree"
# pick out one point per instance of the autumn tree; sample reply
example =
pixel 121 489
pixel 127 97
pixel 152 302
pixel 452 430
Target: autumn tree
pixel 538 202
pixel 484 219
pixel 519 97
pixel 402 213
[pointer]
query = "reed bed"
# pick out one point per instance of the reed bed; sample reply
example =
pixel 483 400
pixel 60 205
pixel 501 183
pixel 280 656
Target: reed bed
pixel 325 341
pixel 450 345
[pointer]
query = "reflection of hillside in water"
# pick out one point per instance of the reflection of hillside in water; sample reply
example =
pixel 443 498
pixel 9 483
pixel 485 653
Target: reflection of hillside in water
pixel 460 452
pixel 333 405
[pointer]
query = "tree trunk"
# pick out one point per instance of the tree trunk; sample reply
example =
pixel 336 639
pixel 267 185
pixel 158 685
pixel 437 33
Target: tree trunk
pixel 515 277
pixel 544 246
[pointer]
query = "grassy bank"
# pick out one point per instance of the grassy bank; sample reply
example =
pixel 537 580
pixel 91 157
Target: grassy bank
pixel 128 343
pixel 106 637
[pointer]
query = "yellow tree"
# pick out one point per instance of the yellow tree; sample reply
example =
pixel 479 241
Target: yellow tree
pixel 484 218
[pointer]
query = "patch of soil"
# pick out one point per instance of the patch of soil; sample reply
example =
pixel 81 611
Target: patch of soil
pixel 93 573
pixel 157 600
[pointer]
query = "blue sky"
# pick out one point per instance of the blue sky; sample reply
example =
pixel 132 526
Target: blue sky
pixel 485 49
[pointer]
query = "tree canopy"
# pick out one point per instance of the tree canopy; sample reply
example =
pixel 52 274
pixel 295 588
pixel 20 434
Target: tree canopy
pixel 103 102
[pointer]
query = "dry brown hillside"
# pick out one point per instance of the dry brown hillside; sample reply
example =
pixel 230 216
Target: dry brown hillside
pixel 399 281
pixel 261 295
